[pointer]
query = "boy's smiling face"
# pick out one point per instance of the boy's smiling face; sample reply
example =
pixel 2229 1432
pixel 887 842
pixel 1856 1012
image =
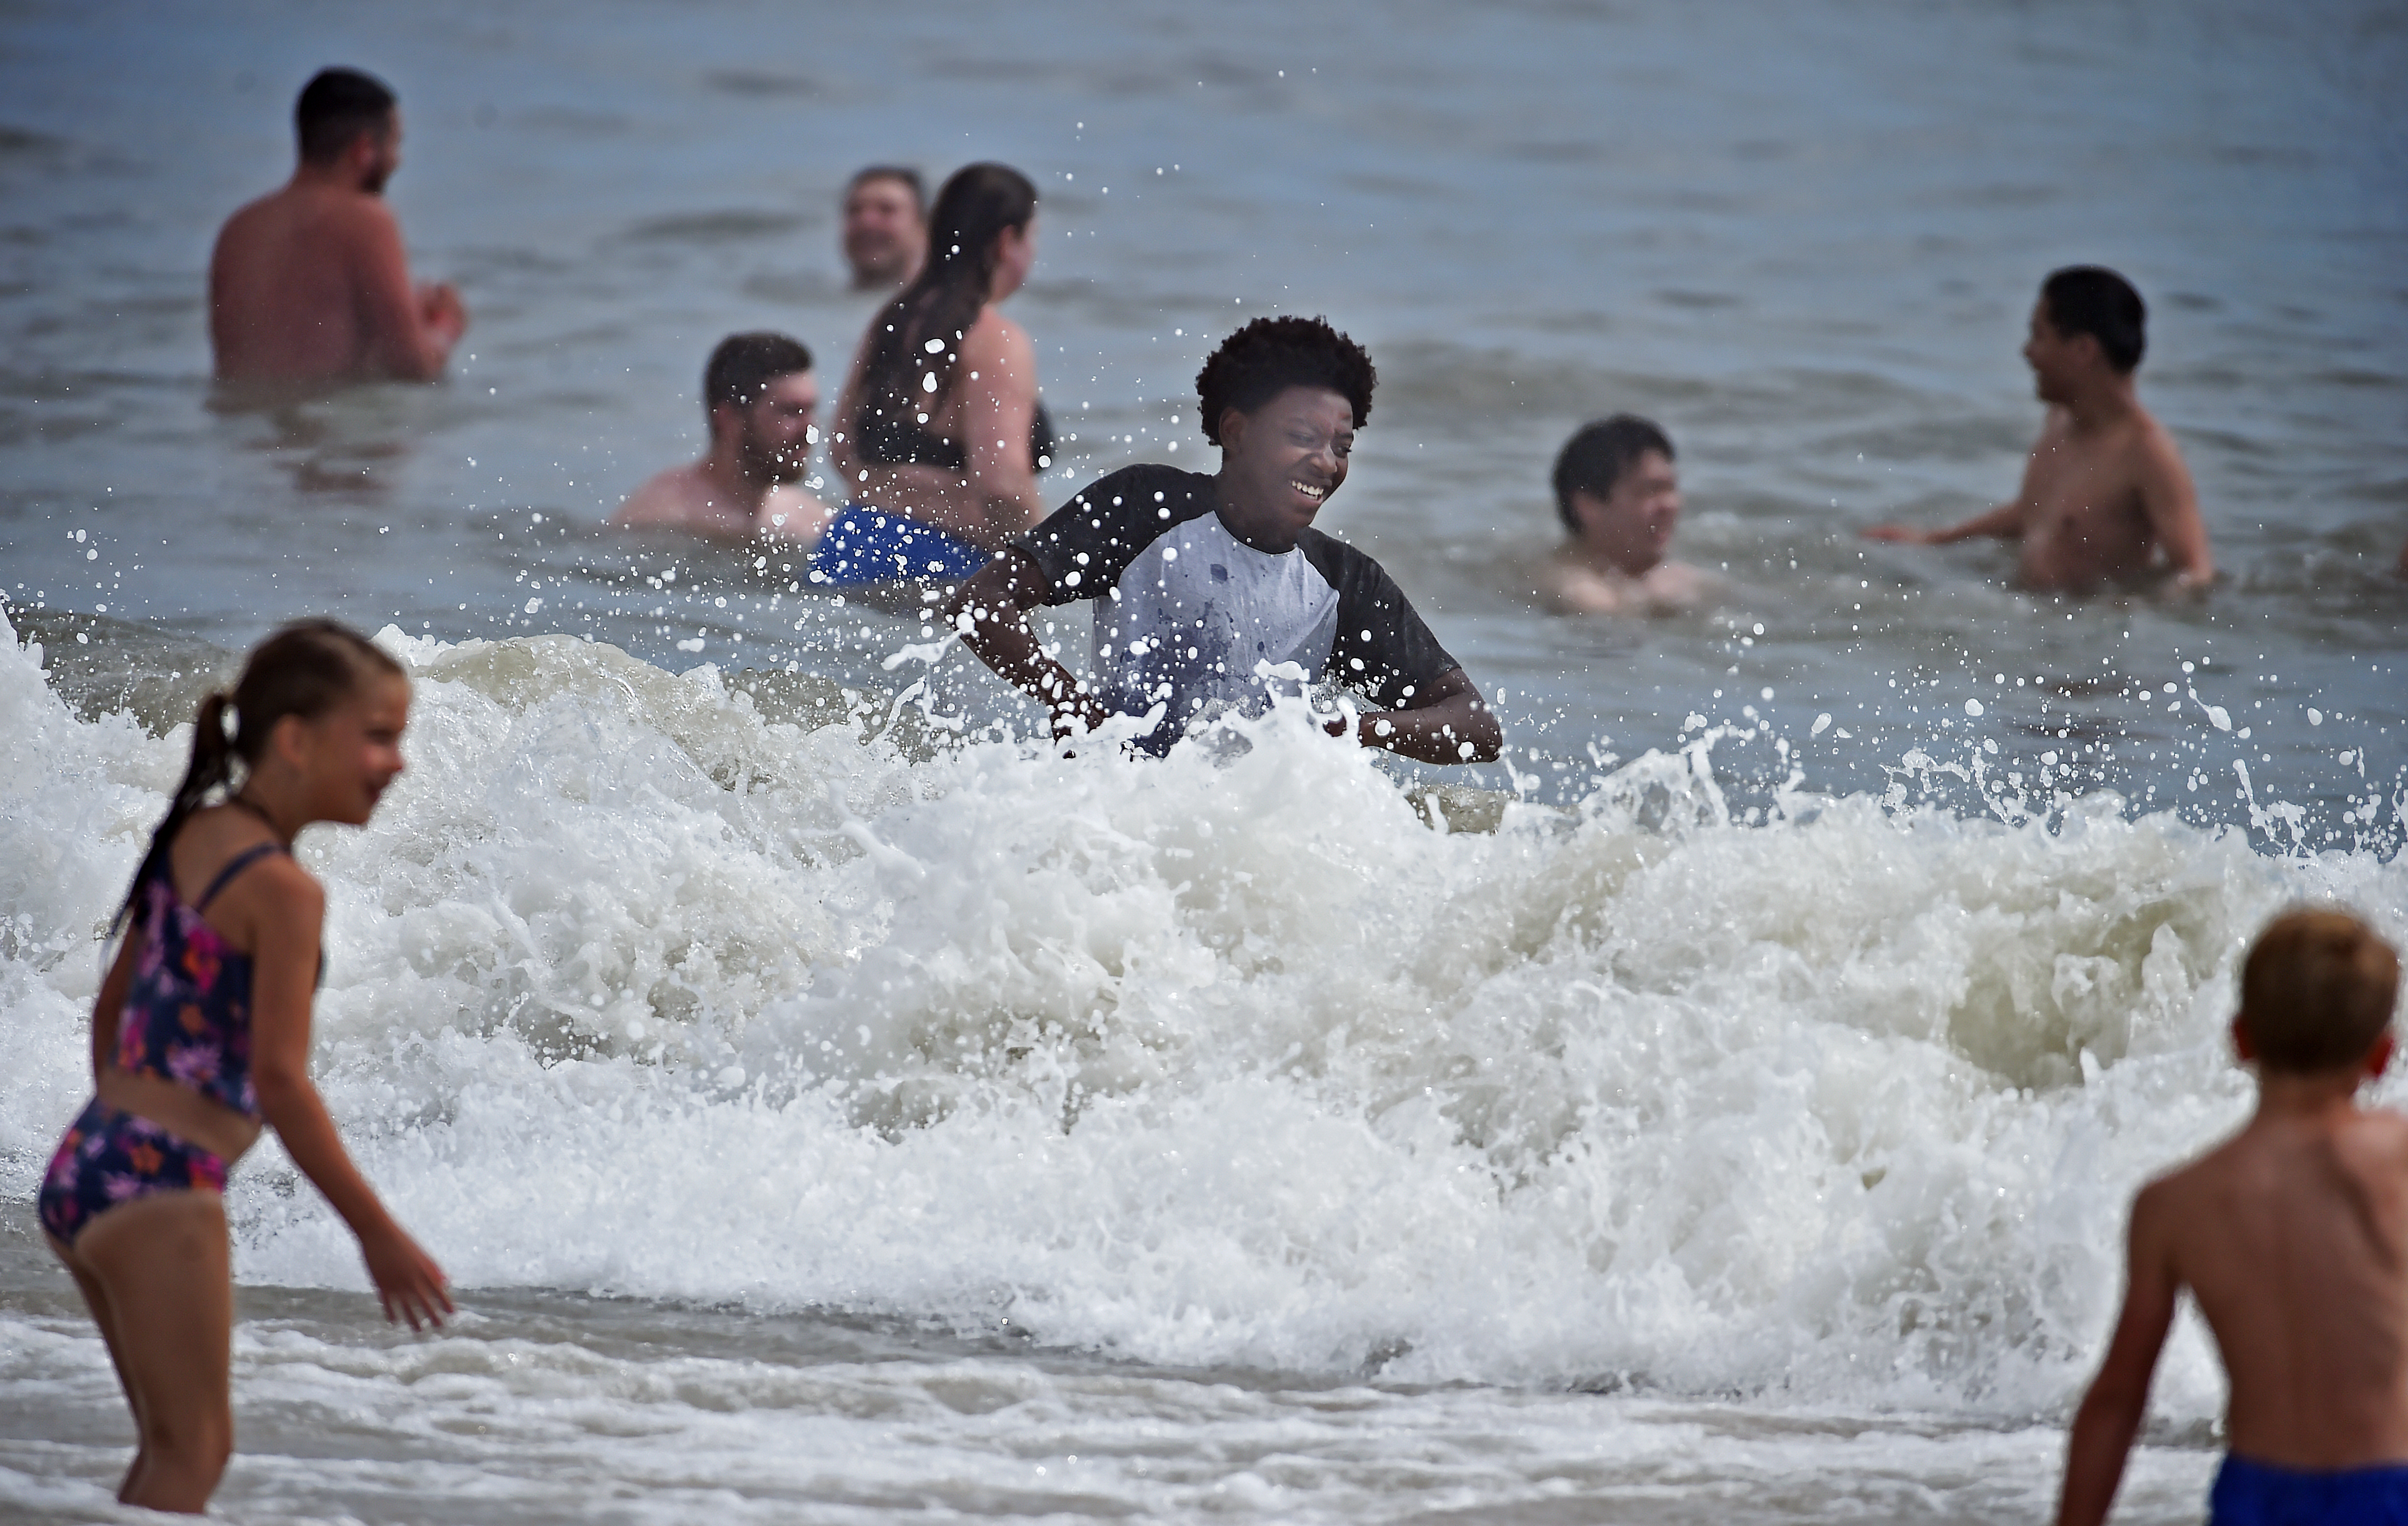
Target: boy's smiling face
pixel 1281 463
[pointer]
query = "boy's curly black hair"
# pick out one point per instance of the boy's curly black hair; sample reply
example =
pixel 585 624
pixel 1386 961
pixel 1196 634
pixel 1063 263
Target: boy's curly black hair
pixel 1271 354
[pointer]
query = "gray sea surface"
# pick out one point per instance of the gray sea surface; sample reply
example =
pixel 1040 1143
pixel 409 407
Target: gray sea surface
pixel 1736 1127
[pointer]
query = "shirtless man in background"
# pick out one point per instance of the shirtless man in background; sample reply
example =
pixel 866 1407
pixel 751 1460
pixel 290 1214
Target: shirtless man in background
pixel 308 284
pixel 758 398
pixel 1619 494
pixel 2105 495
pixel 885 227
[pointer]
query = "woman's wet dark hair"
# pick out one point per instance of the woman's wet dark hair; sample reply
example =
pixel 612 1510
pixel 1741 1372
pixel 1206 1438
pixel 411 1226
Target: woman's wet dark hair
pixel 304 669
pixel 1269 355
pixel 976 208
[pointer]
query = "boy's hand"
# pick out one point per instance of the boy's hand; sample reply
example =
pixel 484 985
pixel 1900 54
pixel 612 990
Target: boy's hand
pixel 1078 712
pixel 409 1283
pixel 1903 534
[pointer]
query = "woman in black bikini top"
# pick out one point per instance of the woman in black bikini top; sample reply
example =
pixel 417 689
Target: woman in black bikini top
pixel 941 373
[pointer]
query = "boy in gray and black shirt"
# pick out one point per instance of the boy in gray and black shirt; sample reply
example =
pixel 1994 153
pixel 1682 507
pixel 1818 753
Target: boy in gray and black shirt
pixel 1200 581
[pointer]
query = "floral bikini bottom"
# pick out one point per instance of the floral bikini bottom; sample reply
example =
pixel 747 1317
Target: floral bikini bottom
pixel 110 1156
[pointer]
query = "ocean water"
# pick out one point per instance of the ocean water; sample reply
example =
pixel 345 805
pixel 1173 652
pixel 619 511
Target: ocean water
pixel 834 1107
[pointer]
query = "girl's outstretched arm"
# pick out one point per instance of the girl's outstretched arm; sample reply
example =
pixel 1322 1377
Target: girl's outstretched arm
pixel 284 976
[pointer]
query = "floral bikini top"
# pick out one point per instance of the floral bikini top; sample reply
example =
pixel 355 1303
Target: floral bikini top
pixel 186 1017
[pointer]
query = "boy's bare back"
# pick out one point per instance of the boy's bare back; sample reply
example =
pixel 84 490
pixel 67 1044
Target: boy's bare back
pixel 2293 1237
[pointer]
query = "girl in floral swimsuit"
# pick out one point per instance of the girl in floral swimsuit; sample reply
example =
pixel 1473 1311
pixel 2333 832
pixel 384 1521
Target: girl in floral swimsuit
pixel 201 1037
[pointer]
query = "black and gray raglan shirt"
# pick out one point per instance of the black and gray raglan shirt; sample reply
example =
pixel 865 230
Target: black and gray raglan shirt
pixel 1187 615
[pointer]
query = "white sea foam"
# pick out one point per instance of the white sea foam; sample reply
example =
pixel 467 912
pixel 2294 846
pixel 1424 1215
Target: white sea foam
pixel 1225 1061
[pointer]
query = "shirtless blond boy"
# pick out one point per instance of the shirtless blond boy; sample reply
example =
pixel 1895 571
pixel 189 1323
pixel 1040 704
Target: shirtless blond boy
pixel 309 285
pixel 1619 494
pixel 2105 498
pixel 2292 1236
pixel 758 399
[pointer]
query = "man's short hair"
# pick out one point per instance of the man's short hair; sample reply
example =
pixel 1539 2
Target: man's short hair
pixel 2316 991
pixel 1269 355
pixel 744 365
pixel 2096 301
pixel 907 177
pixel 1593 460
pixel 337 105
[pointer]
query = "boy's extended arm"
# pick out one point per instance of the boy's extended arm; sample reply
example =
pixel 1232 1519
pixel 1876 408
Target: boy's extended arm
pixel 2110 1412
pixel 1450 723
pixel 2004 522
pixel 991 612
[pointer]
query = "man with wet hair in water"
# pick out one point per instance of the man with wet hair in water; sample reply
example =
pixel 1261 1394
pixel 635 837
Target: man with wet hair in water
pixel 885 227
pixel 1619 494
pixel 2292 1236
pixel 309 285
pixel 1210 590
pixel 758 399
pixel 2105 497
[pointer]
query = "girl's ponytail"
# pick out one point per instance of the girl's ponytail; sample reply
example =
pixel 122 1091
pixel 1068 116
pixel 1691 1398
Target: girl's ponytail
pixel 212 765
pixel 212 761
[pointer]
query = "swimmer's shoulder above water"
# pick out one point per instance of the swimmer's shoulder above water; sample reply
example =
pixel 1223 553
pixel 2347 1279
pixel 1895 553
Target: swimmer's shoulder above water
pixel 758 398
pixel 1618 492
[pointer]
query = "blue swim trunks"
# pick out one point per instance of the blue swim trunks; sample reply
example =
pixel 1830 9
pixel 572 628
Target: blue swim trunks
pixel 2250 1494
pixel 863 546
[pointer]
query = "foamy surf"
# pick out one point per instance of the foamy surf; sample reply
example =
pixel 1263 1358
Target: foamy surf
pixel 1230 1061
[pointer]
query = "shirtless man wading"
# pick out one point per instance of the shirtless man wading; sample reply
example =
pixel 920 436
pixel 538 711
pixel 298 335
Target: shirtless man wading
pixel 308 284
pixel 758 396
pixel 2106 498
